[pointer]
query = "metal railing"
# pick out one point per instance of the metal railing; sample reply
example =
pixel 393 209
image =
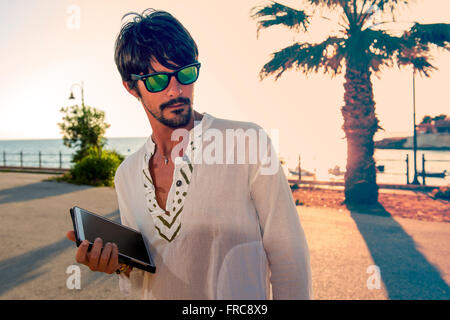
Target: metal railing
pixel 381 164
pixel 39 160
pixel 423 174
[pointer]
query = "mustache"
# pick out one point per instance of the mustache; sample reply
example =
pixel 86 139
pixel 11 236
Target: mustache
pixel 175 101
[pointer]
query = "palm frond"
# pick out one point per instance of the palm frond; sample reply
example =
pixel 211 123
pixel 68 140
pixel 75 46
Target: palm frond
pixel 390 4
pixel 417 43
pixel 331 4
pixel 307 57
pixel 384 49
pixel 420 61
pixel 279 14
pixel 418 57
pixel 372 7
pixel 336 5
pixel 425 34
pixel 384 43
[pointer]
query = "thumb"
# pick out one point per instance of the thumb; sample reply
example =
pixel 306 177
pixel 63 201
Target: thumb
pixel 71 235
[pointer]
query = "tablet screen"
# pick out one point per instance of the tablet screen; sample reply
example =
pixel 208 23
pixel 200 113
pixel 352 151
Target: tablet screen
pixel 92 226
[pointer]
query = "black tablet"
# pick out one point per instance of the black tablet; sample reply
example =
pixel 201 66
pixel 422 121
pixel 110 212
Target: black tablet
pixel 132 248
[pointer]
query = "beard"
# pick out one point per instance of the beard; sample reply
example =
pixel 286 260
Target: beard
pixel 183 115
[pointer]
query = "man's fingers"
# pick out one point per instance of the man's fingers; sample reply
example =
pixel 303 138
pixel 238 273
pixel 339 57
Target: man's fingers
pixel 94 254
pixel 98 259
pixel 113 264
pixel 81 256
pixel 104 257
pixel 70 235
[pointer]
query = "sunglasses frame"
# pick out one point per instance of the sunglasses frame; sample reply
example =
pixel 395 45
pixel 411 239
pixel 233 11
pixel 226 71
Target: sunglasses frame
pixel 168 74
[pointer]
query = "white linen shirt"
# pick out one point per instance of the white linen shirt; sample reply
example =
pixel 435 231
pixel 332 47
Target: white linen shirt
pixel 232 232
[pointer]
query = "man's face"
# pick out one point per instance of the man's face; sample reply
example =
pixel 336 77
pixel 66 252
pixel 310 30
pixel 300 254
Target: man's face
pixel 172 106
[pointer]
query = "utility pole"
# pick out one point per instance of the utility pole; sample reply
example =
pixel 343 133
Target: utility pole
pixel 299 171
pixel 415 180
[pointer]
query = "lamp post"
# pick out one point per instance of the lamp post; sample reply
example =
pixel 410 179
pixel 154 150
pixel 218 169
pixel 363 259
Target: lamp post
pixel 415 180
pixel 72 97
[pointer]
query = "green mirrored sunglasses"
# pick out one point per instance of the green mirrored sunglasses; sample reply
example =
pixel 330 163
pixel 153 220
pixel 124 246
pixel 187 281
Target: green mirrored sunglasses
pixel 155 82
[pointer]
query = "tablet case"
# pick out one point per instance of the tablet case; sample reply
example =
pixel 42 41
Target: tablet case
pixel 122 258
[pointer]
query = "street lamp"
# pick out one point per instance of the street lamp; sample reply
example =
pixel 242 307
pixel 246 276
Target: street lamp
pixel 415 180
pixel 72 97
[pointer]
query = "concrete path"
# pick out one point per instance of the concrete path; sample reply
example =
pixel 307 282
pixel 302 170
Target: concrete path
pixel 348 249
pixel 412 257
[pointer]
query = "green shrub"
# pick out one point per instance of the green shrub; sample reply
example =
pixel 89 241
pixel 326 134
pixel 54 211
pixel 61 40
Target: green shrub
pixel 96 170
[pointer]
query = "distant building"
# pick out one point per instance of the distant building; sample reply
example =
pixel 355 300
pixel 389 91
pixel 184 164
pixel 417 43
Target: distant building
pixel 443 126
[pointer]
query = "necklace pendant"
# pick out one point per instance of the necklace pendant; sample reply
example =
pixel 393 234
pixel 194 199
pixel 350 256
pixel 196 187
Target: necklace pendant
pixel 166 160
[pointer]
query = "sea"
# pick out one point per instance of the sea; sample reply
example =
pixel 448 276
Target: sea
pixel 54 155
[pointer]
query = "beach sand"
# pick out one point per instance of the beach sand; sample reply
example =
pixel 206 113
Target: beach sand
pixel 399 203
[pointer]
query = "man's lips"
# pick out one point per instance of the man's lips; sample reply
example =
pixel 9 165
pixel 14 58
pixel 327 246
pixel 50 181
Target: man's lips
pixel 178 105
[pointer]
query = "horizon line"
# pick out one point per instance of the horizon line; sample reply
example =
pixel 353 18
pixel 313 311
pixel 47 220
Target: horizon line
pixel 117 137
pixel 28 139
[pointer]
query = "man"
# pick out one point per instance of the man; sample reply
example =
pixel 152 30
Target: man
pixel 217 228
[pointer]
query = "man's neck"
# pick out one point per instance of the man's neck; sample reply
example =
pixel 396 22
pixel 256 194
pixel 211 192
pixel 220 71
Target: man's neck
pixel 162 134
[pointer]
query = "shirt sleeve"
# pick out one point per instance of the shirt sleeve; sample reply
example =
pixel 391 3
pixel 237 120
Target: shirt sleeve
pixel 283 237
pixel 131 285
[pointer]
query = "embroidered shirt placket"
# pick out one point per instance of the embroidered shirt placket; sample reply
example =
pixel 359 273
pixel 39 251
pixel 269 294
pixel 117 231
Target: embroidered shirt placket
pixel 168 225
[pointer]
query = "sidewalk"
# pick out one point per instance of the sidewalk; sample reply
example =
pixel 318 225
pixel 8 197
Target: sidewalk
pixel 34 253
pixel 412 255
pixel 34 250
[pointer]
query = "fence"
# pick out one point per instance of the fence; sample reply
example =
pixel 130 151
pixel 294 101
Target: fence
pixel 39 160
pixel 422 174
pixel 56 161
pixel 380 167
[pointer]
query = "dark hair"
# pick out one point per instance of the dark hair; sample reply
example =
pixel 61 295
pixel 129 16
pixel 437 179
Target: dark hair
pixel 154 34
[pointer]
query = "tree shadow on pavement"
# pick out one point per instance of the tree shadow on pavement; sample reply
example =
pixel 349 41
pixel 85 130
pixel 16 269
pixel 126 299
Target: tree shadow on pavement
pixel 38 190
pixel 23 268
pixel 405 272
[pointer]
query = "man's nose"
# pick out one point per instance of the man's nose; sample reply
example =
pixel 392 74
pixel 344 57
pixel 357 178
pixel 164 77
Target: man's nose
pixel 174 89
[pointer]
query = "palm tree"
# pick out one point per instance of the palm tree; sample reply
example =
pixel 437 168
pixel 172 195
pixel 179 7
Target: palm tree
pixel 360 47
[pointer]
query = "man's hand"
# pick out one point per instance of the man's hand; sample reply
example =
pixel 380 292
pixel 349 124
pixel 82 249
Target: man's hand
pixel 102 259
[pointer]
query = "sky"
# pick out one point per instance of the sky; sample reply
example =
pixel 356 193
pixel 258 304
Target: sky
pixel 45 49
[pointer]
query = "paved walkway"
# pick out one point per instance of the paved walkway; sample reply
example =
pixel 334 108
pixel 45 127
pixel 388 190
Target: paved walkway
pixel 412 256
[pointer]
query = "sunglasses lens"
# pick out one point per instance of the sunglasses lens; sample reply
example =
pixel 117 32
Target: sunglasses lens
pixel 188 75
pixel 157 82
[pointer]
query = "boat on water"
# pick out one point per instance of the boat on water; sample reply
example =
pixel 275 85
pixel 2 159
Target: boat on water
pixel 305 173
pixel 336 171
pixel 434 174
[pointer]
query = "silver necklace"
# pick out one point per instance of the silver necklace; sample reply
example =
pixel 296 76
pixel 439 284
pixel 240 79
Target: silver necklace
pixel 166 159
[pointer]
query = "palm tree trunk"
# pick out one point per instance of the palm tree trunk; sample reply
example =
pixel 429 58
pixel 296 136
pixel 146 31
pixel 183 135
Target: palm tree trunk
pixel 360 125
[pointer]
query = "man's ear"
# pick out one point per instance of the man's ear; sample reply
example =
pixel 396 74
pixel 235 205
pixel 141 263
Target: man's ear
pixel 133 92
